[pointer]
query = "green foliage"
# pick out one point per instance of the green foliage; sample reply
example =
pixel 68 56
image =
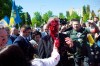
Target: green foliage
pixel 61 15
pixel 49 13
pixel 74 15
pixel 85 17
pixel 88 9
pixel 37 19
pixel 46 16
pixel 19 8
pixel 27 19
pixel 22 18
pixel 86 13
pixel 68 15
pixel 5 8
pixel 93 14
pixel 84 10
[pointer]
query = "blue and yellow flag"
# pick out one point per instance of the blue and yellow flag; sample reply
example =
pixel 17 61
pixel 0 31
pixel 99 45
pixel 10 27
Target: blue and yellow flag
pixel 5 21
pixel 15 18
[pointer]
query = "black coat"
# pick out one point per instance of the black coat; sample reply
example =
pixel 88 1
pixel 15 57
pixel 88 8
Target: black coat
pixel 46 48
pixel 26 47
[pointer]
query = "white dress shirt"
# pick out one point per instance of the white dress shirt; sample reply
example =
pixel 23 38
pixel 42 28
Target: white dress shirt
pixel 51 61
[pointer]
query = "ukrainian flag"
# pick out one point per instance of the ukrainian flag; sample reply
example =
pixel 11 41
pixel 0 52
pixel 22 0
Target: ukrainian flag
pixel 15 18
pixel 5 21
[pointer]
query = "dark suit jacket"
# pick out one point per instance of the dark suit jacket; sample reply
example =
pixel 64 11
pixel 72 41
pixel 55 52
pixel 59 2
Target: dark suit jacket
pixel 26 47
pixel 47 46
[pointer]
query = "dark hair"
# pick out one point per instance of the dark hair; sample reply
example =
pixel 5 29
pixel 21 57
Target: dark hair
pixel 12 56
pixel 63 21
pixel 25 28
pixel 75 20
pixel 96 17
pixel 1 27
pixel 36 33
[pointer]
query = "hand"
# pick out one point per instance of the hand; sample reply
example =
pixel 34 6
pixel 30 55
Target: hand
pixel 90 21
pixel 69 41
pixel 56 42
pixel 35 46
pixel 96 35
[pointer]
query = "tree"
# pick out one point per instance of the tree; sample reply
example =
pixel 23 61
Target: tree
pixel 27 19
pixel 68 15
pixel 5 8
pixel 19 8
pixel 93 14
pixel 22 18
pixel 84 10
pixel 37 19
pixel 74 15
pixel 49 13
pixel 46 16
pixel 85 17
pixel 88 9
pixel 86 13
pixel 61 16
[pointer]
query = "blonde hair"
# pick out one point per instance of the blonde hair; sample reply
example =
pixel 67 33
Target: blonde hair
pixel 53 19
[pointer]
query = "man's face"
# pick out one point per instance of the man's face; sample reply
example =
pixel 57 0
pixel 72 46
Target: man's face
pixel 27 33
pixel 16 32
pixel 3 37
pixel 54 27
pixel 95 19
pixel 46 29
pixel 76 25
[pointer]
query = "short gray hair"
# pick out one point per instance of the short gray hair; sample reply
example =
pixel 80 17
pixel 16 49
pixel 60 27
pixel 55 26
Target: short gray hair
pixel 1 27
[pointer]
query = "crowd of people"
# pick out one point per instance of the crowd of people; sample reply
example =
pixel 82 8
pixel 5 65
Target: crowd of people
pixel 73 43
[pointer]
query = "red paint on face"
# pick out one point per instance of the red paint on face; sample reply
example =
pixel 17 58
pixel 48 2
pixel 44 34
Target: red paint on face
pixel 54 28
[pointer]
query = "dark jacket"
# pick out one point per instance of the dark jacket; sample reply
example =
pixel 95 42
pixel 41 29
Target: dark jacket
pixel 47 46
pixel 26 47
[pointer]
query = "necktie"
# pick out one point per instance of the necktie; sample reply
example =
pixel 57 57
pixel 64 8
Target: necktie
pixel 27 40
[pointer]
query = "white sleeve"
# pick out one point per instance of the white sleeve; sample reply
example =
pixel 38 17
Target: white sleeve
pixel 51 61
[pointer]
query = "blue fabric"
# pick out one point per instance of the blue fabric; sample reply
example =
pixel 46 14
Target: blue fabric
pixel 6 19
pixel 17 18
pixel 98 43
pixel 9 41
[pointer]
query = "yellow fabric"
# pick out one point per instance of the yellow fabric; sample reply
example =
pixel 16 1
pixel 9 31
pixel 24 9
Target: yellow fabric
pixel 11 21
pixel 91 40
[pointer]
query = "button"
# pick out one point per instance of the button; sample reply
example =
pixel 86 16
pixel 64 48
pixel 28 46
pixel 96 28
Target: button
pixel 92 53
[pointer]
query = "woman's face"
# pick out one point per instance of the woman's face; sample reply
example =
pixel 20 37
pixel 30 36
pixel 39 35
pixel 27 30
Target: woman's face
pixel 37 38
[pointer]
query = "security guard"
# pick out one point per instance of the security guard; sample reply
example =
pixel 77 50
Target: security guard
pixel 81 44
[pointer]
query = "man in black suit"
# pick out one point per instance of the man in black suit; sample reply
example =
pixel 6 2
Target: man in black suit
pixel 23 43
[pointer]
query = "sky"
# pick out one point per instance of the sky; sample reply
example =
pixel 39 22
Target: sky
pixel 56 6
